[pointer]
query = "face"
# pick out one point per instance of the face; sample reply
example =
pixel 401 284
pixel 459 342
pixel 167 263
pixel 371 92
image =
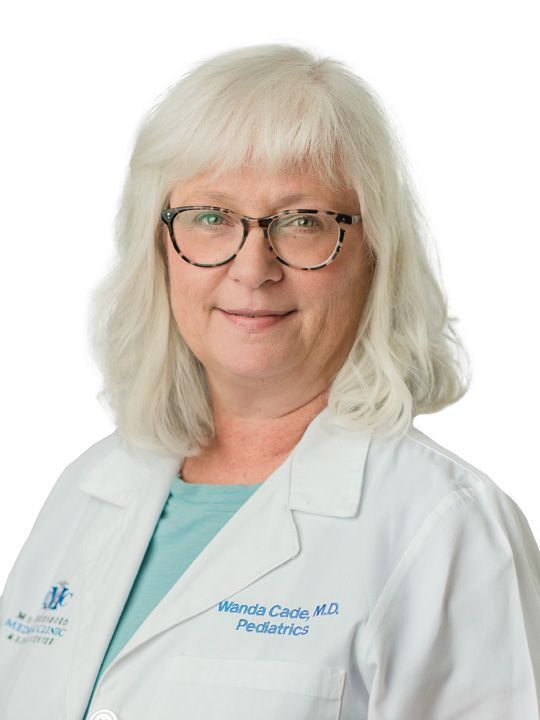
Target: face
pixel 307 346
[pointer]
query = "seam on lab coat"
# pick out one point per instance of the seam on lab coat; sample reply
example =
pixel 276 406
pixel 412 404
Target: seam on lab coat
pixel 528 542
pixel 448 455
pixel 519 518
pixel 461 494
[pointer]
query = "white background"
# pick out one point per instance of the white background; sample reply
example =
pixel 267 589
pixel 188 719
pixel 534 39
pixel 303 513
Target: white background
pixel 461 82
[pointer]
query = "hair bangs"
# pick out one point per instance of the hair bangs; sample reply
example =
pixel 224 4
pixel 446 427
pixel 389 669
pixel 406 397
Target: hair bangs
pixel 281 127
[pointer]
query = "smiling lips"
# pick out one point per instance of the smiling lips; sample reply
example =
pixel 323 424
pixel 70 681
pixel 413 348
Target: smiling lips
pixel 248 312
pixel 255 319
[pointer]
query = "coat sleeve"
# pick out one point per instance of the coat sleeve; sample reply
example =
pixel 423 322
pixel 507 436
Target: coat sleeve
pixel 455 634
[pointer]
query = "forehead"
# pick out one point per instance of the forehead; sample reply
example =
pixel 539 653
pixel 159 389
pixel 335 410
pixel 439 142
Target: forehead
pixel 261 184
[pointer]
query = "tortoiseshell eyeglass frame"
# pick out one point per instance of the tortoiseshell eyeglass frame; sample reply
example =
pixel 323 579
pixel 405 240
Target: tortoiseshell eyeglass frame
pixel 169 214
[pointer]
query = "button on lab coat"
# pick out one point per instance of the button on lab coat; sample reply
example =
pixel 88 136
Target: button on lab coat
pixel 366 579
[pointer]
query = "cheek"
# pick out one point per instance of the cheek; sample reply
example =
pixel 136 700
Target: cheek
pixel 185 294
pixel 186 301
pixel 191 295
pixel 323 323
pixel 188 318
pixel 341 301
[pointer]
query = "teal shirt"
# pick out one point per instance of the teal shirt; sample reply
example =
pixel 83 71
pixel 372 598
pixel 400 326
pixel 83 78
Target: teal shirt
pixel 192 515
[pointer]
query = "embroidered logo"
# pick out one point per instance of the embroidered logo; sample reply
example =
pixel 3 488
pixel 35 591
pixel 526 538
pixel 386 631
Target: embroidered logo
pixel 42 628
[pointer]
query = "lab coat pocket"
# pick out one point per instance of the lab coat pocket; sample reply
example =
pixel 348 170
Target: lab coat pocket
pixel 239 689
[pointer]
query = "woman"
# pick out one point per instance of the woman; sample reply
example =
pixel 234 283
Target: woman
pixel 266 534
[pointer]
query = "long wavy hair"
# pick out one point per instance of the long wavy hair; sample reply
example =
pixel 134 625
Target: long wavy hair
pixel 281 107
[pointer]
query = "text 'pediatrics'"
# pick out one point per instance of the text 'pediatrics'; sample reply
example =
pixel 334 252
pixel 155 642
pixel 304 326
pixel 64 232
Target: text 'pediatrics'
pixel 280 619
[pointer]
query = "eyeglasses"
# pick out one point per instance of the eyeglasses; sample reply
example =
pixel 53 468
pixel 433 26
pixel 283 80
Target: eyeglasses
pixel 208 236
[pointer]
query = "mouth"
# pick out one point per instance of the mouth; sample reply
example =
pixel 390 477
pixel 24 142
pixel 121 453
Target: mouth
pixel 255 321
pixel 244 312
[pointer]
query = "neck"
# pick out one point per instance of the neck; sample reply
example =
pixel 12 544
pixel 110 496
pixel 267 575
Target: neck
pixel 248 446
pixel 264 435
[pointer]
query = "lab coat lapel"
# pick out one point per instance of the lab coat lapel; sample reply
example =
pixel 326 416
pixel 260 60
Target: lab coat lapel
pixel 323 475
pixel 259 537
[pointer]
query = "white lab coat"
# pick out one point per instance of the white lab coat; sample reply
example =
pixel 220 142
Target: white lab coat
pixel 401 583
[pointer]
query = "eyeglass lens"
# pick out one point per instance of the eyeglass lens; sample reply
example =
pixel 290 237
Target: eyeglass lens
pixel 211 236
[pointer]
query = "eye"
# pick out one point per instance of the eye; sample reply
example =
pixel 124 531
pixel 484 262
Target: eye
pixel 213 218
pixel 302 222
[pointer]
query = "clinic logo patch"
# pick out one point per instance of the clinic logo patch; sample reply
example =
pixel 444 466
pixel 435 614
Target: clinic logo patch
pixel 42 628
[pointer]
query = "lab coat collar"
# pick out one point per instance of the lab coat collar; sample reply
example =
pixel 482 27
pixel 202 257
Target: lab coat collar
pixel 326 470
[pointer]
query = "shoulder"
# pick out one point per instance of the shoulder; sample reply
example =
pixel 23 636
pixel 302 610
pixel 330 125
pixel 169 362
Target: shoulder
pixel 90 457
pixel 63 501
pixel 416 490
pixel 416 472
pixel 467 490
pixel 66 487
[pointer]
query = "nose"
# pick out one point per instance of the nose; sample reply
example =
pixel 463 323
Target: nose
pixel 256 261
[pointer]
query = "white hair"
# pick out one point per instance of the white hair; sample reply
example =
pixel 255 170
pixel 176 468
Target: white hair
pixel 277 106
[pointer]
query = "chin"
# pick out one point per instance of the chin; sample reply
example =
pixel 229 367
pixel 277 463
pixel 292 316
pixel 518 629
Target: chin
pixel 265 369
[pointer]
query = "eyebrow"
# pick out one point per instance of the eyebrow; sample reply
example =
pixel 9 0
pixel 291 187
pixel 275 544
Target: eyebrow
pixel 283 200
